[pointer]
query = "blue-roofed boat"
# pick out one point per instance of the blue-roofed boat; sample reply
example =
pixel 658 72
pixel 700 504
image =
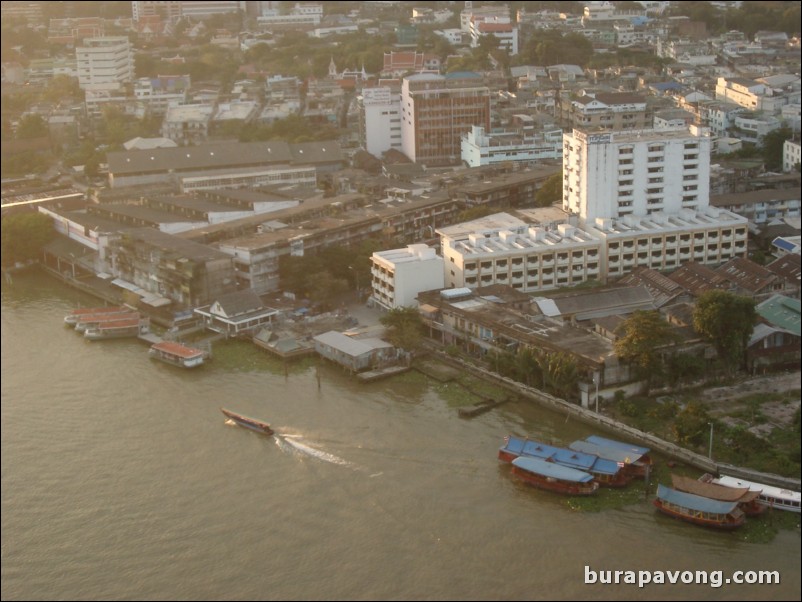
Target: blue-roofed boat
pixel 698 510
pixel 634 458
pixel 606 472
pixel 553 477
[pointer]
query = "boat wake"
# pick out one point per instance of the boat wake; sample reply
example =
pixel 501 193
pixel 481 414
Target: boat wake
pixel 287 442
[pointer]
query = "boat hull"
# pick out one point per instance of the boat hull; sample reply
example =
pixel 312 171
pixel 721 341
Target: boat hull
pixel 247 422
pixel 693 517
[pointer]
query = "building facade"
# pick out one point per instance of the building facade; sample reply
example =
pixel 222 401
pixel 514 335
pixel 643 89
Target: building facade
pixel 436 110
pixel 614 174
pixel 104 64
pixel 187 273
pixel 379 120
pixel 400 274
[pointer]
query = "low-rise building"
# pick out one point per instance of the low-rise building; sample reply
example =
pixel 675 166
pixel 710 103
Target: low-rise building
pixel 398 275
pixel 354 354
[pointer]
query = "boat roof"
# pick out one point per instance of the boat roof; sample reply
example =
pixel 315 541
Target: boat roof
pixel 106 316
pixel 694 502
pixel 767 490
pixel 614 454
pixel 619 444
pixel 712 490
pixel 177 349
pixel 560 455
pixel 549 469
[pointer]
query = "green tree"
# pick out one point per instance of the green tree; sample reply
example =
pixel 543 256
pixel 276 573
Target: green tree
pixel 550 192
pixel 559 371
pixel 692 424
pixel 325 289
pixel 641 336
pixel 726 320
pixel 773 143
pixel 23 236
pixel 31 126
pixel 404 327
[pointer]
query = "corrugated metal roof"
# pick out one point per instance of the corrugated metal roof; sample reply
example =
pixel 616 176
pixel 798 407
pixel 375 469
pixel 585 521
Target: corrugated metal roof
pixel 618 444
pixel 549 469
pixel 782 312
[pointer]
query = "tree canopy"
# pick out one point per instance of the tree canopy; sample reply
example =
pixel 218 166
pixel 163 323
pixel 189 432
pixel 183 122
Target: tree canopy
pixel 641 336
pixel 726 320
pixel 23 236
pixel 404 327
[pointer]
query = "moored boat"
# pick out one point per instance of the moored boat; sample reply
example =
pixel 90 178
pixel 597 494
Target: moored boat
pixel 773 497
pixel 250 423
pixel 177 354
pixel 747 500
pixel 117 329
pixel 697 509
pixel 87 321
pixel 553 477
pixel 73 317
pixel 606 472
pixel 634 459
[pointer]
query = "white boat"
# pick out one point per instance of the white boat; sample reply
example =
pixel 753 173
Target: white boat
pixel 773 497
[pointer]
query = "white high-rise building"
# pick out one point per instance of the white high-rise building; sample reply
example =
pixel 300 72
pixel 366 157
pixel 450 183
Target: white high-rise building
pixel 380 120
pixel 609 175
pixel 104 64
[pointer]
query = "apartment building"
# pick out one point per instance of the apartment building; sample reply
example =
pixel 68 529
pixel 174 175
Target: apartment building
pixel 480 147
pixel 105 63
pixel 768 94
pixel 379 120
pixel 398 275
pixel 606 110
pixel 436 110
pixel 174 9
pixel 611 175
pixel 792 155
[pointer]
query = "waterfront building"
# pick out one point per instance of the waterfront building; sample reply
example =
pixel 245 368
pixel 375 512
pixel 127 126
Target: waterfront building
pixel 187 273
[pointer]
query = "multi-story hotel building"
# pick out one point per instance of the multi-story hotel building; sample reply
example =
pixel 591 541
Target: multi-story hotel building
pixel 436 110
pixel 629 199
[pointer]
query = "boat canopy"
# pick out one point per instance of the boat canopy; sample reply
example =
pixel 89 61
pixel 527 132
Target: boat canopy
pixel 613 454
pixel 713 491
pixel 619 444
pixel 560 455
pixel 694 502
pixel 549 469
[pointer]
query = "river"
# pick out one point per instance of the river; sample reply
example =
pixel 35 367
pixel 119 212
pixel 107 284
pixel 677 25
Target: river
pixel 122 481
